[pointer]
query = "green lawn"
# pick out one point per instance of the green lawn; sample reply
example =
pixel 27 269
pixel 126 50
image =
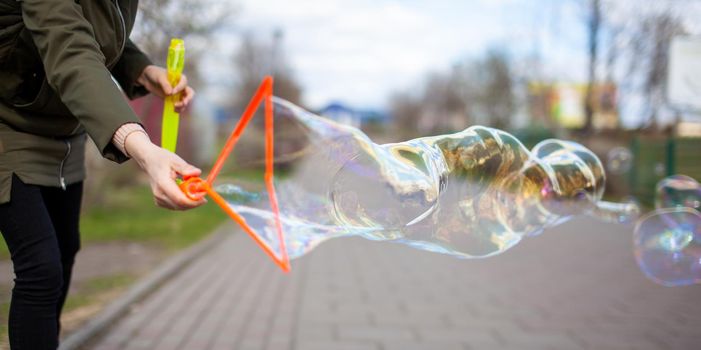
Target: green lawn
pixel 131 215
pixel 92 288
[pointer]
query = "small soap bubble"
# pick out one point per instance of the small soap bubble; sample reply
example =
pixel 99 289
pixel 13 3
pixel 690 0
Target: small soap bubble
pixel 668 246
pixel 660 169
pixel 619 160
pixel 678 191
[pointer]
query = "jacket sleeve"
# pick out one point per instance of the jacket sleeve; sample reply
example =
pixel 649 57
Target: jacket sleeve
pixel 75 70
pixel 129 68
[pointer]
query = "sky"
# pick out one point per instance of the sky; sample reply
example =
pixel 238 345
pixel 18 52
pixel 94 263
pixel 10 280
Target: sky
pixel 361 51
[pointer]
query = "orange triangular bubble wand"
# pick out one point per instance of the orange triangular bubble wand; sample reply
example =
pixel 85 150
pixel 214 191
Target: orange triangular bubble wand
pixel 193 187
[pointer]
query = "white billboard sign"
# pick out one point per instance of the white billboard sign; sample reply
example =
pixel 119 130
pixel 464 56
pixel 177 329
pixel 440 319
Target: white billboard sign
pixel 684 77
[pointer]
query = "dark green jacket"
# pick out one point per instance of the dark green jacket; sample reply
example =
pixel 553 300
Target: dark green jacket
pixel 57 60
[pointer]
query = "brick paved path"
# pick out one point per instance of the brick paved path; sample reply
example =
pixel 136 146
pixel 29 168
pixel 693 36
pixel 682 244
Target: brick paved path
pixel 575 287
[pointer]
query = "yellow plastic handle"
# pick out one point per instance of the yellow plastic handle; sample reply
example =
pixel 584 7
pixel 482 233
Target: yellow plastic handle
pixel 171 119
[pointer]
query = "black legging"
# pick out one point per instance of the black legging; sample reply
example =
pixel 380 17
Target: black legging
pixel 40 226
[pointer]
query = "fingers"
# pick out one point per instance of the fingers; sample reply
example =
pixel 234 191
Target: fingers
pixel 184 169
pixel 185 99
pixel 157 82
pixel 165 84
pixel 168 195
pixel 164 203
pixel 172 191
pixel 161 199
pixel 163 167
pixel 182 84
pixel 187 93
pixel 177 198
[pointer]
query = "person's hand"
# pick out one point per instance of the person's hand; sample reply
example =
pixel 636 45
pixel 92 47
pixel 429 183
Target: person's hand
pixel 155 80
pixel 162 167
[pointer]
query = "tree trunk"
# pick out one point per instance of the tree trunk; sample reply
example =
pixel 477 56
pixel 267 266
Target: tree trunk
pixel 593 26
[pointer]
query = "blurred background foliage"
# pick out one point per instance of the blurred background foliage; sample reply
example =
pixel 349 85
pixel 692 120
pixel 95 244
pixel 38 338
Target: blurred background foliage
pixel 627 49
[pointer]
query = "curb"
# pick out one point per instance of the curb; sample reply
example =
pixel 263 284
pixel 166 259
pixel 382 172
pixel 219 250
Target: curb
pixel 140 290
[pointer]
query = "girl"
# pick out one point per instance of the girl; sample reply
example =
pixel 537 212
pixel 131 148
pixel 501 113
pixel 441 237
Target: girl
pixel 59 61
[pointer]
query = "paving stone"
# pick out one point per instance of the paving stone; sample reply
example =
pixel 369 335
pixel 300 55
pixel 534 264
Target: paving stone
pixel 315 332
pixel 337 345
pixel 107 347
pixel 415 320
pixel 403 345
pixel 482 339
pixel 374 333
pixel 544 341
pixel 625 341
pixel 574 287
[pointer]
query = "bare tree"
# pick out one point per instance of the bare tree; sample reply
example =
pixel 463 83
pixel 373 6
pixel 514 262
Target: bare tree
pixel 639 35
pixel 406 110
pixel 656 33
pixel 594 22
pixel 256 59
pixel 192 20
pixel 477 91
pixel 443 104
pixel 436 106
pixel 496 97
pixel 487 86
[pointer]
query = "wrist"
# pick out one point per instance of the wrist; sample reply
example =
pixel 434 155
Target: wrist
pixel 124 131
pixel 142 79
pixel 137 145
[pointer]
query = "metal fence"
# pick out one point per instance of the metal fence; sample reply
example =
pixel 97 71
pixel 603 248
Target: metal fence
pixel 655 158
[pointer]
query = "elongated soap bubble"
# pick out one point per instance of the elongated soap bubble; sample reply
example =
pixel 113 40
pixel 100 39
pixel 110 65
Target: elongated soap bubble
pixel 668 246
pixel 472 194
pixel 619 160
pixel 678 191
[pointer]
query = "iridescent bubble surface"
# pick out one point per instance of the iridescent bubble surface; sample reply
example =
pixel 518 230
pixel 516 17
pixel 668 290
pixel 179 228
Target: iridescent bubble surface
pixel 236 194
pixel 668 246
pixel 472 194
pixel 619 160
pixel 668 240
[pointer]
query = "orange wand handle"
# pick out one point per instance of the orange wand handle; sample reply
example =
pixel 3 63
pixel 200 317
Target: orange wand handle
pixel 194 187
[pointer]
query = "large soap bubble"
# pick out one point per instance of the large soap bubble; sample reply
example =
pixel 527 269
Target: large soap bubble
pixel 668 246
pixel 668 240
pixel 472 194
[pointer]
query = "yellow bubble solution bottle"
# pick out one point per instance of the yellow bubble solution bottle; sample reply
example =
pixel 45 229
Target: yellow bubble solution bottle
pixel 171 119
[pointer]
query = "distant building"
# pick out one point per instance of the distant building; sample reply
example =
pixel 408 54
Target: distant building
pixel 563 104
pixel 345 114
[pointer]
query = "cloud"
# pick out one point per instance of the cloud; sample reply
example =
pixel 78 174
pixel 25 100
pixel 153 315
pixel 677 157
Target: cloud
pixel 361 51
